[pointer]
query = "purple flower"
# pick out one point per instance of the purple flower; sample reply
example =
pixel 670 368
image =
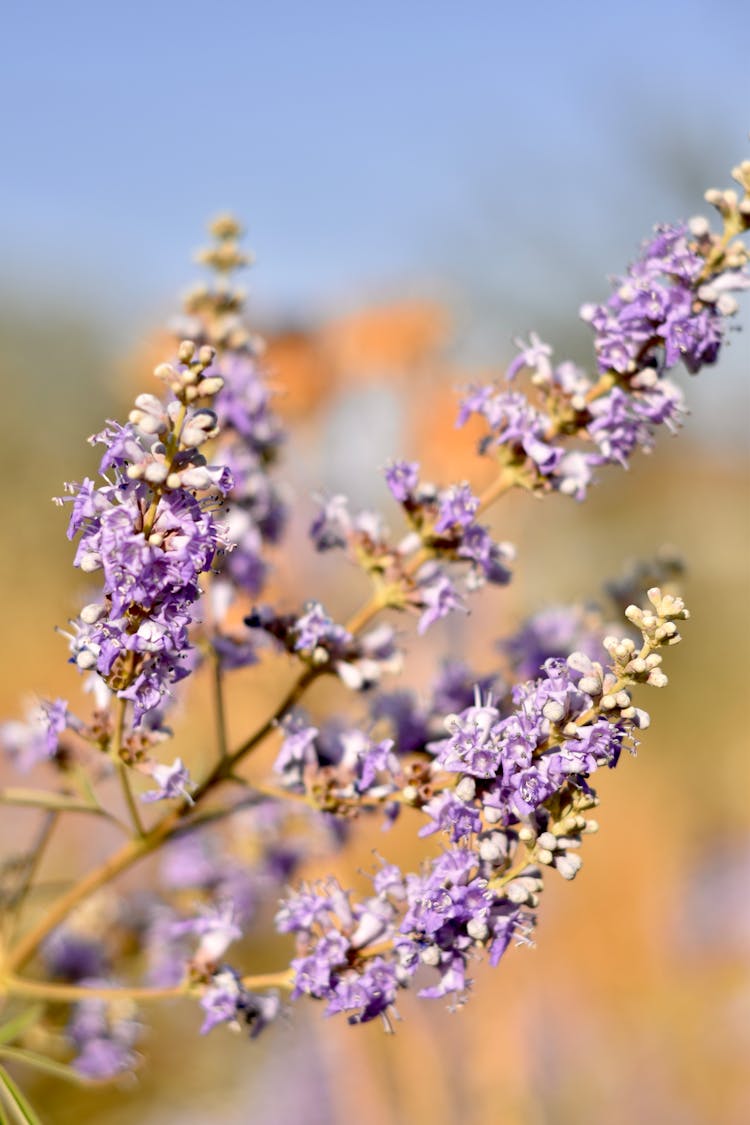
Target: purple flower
pixel 173 781
pixel 297 750
pixel 457 507
pixel 437 597
pixel 333 524
pixel 226 1000
pixel 35 740
pixel 316 628
pixel 535 356
pixel 367 994
pixel 104 1035
pixel 402 478
pixel 452 816
pixel 216 928
pixel 658 306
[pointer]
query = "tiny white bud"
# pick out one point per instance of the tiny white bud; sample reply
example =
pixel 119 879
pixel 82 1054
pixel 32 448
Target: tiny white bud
pixel 526 834
pixel 568 865
pixel 478 929
pixel 92 613
pixel 547 840
pixel 492 815
pixel 90 561
pixel 466 789
pixel 211 386
pixel 490 850
pixel 155 472
pixel 430 955
pixel 186 351
pixel 166 372
pixel 553 711
pixel 544 855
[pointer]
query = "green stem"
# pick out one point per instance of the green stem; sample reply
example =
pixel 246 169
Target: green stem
pixel 135 816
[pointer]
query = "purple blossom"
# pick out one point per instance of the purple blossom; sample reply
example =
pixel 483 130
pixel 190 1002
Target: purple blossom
pixel 36 739
pixel 402 478
pixel 316 628
pixel 104 1036
pixel 535 356
pixel 173 781
pixel 450 815
pixel 437 597
pixel 226 1000
pixel 216 928
pixel 297 750
pixel 457 507
pixel 657 305
pixel 332 525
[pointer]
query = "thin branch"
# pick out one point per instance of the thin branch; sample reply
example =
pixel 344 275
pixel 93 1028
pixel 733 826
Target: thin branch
pixel 55 993
pixel 135 816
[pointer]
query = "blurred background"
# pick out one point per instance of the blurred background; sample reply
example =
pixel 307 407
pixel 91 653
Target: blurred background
pixel 421 183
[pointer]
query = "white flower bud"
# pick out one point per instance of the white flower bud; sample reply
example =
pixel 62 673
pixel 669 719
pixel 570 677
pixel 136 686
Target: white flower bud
pixel 553 711
pixel 186 351
pixel 155 472
pixel 211 386
pixel 430 955
pixel 478 929
pixel 568 865
pixel 490 850
pixel 517 893
pixel 92 613
pixel 466 789
pixel 90 561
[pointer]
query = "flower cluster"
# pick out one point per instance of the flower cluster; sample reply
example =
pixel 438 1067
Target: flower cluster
pixel 672 305
pixel 443 532
pixel 508 789
pixel 250 439
pixel 151 536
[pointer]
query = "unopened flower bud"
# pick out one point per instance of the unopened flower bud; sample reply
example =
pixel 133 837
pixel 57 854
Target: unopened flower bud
pixel 478 929
pixel 430 955
pixel 211 385
pixel 186 351
pixel 466 789
pixel 568 865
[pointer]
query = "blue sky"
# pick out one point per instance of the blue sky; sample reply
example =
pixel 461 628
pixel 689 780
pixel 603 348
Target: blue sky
pixel 368 147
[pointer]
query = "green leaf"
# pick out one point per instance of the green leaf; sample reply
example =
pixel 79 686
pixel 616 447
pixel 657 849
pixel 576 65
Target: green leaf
pixel 41 1062
pixel 17 1100
pixel 15 1028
